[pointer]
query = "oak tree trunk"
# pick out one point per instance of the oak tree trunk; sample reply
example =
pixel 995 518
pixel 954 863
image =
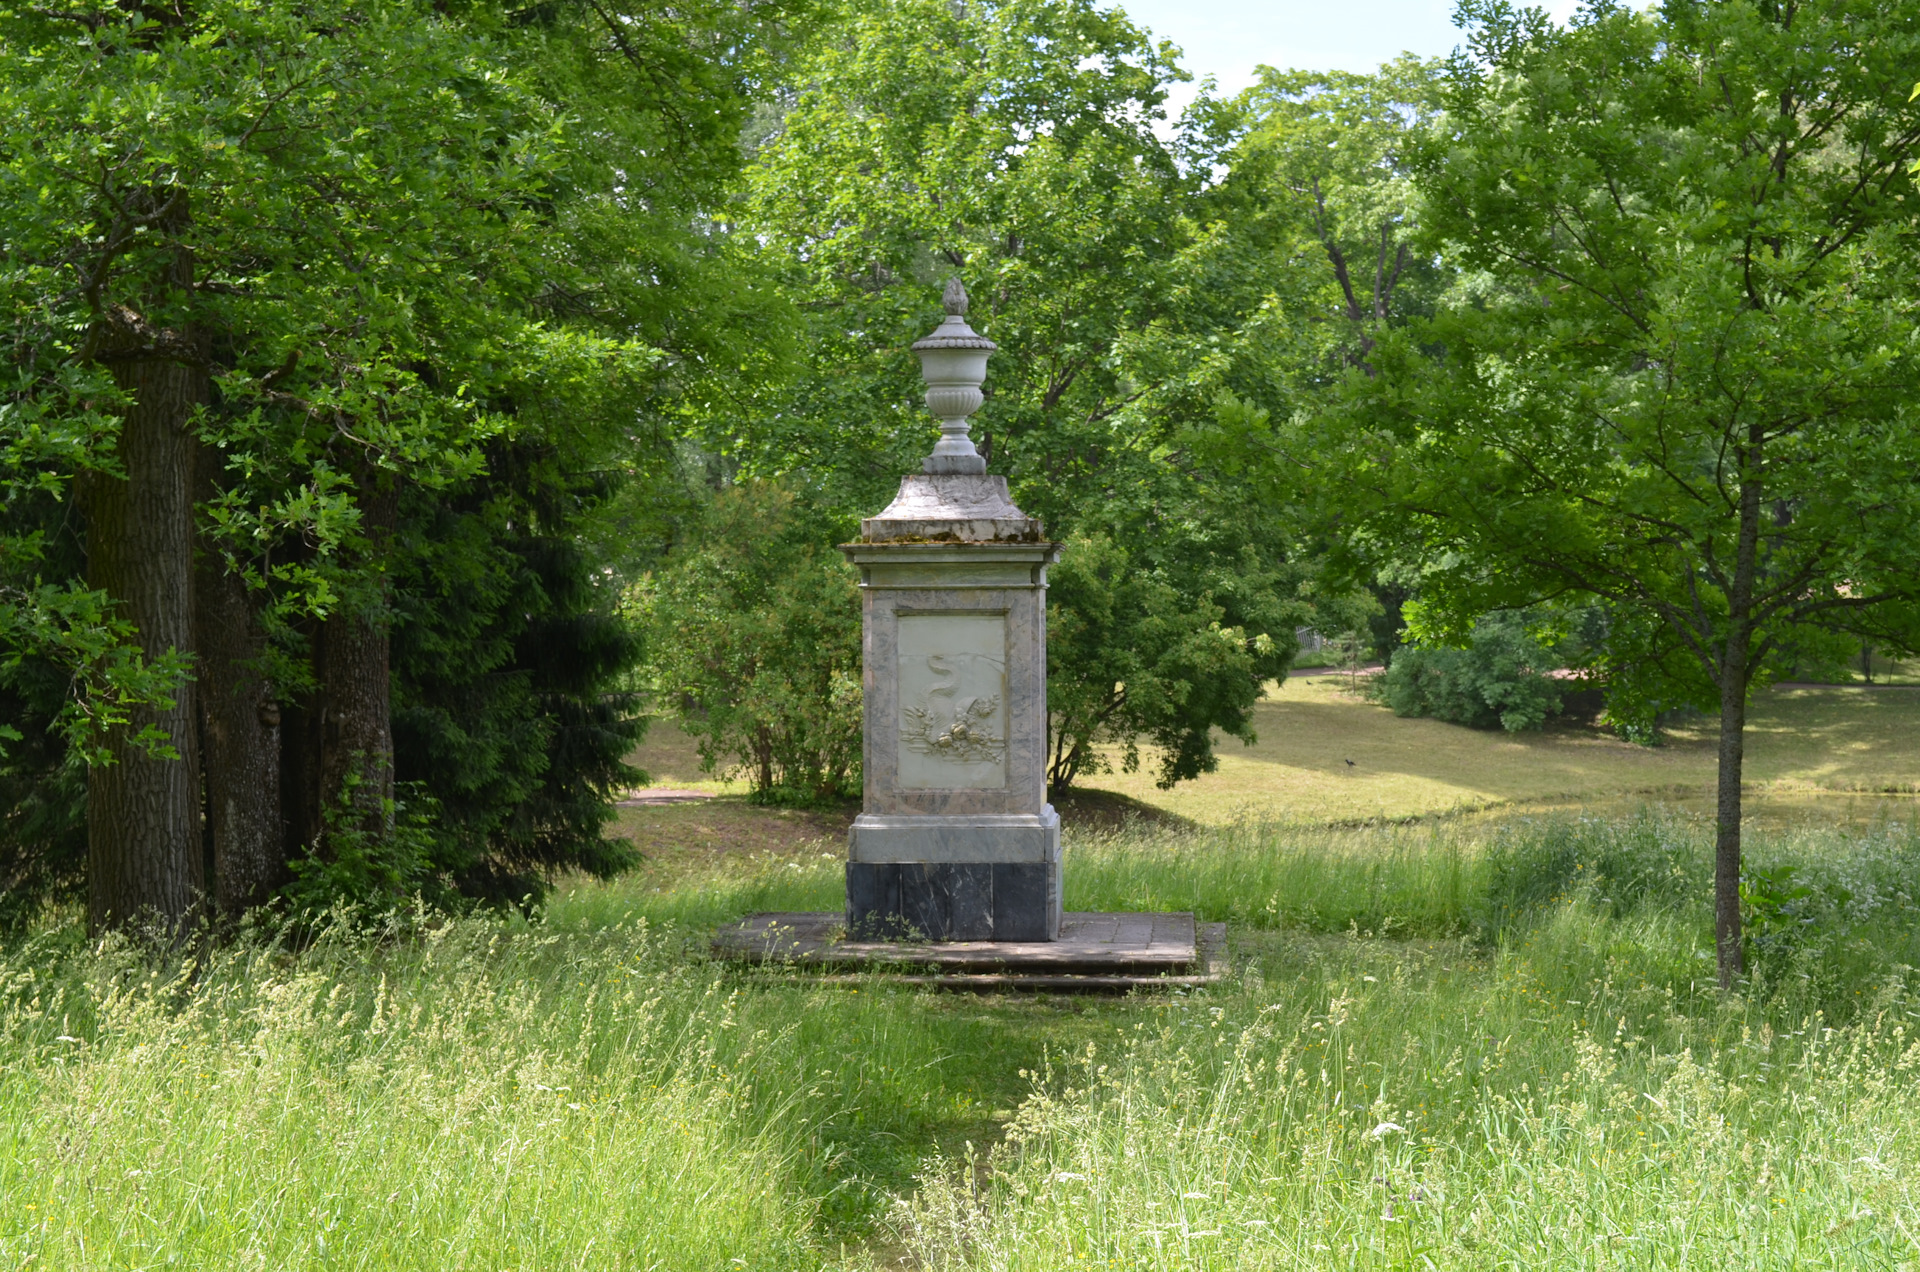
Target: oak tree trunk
pixel 347 752
pixel 336 743
pixel 239 731
pixel 144 859
pixel 356 729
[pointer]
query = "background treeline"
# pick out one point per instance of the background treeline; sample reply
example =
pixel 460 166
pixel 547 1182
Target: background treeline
pixel 405 399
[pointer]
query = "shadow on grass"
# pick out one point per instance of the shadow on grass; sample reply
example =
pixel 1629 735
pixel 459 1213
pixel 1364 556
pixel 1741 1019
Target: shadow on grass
pixel 1094 810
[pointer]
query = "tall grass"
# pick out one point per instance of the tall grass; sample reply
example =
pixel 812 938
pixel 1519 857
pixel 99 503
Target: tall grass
pixel 1424 1118
pixel 471 1097
pixel 1491 1044
pixel 1391 879
pixel 1558 1086
pixel 476 1094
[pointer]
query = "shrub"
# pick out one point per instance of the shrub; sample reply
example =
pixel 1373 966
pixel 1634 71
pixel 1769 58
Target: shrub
pixel 753 634
pixel 1140 649
pixel 1501 679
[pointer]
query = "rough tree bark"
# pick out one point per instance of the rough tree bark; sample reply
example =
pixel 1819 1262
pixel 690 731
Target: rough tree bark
pixel 338 745
pixel 240 731
pixel 144 856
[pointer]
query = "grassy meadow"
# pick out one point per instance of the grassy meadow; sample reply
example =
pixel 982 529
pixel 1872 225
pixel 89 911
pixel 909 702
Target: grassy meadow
pixel 1486 1040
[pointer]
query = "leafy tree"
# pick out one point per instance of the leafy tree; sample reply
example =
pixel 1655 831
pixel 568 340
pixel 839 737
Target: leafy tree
pixel 1169 671
pixel 1325 161
pixel 1677 374
pixel 1013 142
pixel 1320 177
pixel 1301 247
pixel 178 205
pixel 755 631
pixel 294 266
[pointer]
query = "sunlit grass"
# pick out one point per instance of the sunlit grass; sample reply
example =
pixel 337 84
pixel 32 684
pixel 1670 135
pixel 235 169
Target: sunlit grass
pixel 1560 1086
pixel 1806 739
pixel 467 1096
pixel 1572 1102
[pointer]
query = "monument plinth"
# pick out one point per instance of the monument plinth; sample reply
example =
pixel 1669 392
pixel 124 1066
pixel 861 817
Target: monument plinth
pixel 955 840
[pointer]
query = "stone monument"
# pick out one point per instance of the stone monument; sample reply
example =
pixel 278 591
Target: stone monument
pixel 956 840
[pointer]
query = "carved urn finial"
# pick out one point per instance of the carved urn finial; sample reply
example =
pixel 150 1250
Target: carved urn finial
pixel 953 362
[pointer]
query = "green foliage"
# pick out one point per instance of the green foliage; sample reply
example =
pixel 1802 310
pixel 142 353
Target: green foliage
pixel 358 868
pixel 509 663
pixel 1771 904
pixel 753 629
pixel 454 248
pixel 1503 678
pixel 218 134
pixel 1674 375
pixel 1691 407
pixel 1008 142
pixel 1130 657
pixel 1321 175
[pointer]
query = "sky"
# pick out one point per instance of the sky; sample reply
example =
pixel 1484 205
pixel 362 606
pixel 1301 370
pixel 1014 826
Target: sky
pixel 1228 38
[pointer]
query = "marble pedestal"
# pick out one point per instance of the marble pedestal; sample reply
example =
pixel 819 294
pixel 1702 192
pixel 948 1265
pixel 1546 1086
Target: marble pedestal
pixel 956 841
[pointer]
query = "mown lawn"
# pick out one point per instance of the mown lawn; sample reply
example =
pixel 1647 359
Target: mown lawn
pixel 1482 1043
pixel 1798 741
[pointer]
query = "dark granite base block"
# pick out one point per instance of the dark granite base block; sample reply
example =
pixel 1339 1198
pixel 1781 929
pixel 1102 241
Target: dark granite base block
pixel 1023 900
pixel 949 901
pixel 953 900
pixel 874 912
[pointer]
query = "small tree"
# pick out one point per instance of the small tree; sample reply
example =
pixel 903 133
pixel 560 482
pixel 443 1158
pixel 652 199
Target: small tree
pixel 1130 657
pixel 1681 379
pixel 753 636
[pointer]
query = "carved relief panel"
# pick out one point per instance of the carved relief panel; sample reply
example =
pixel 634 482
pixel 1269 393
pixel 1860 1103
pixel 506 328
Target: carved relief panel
pixel 953 701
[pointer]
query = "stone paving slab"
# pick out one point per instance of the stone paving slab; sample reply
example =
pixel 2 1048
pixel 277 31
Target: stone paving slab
pixel 1134 947
pixel 1212 965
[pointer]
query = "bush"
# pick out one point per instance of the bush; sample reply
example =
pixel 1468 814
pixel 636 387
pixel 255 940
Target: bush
pixel 753 634
pixel 1500 680
pixel 1141 650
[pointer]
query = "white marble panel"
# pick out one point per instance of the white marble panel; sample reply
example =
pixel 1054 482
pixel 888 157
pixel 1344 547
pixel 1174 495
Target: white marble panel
pixel 953 701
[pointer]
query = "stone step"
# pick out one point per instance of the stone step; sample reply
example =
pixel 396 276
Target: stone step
pixel 1095 952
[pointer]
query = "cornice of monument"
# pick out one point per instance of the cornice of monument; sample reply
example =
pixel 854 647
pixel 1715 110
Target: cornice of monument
pixel 954 333
pixel 952 508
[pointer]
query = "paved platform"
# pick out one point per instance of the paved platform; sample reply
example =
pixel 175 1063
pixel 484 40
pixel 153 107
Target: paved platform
pixel 1095 953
